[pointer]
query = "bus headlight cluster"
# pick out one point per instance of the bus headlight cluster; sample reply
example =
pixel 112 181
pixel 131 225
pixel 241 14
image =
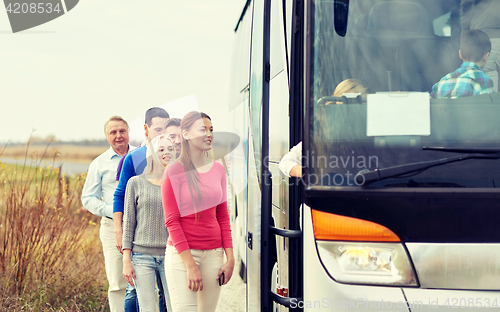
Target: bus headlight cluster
pixel 367 263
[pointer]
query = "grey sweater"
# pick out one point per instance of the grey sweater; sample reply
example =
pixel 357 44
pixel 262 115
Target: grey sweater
pixel 144 228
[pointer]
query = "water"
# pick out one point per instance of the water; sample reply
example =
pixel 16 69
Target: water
pixel 68 168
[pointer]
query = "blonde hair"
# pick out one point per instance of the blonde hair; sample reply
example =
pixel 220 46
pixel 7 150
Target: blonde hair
pixel 152 154
pixel 349 86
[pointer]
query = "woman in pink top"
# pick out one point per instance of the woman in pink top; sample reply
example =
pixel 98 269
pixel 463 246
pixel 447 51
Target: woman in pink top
pixel 196 215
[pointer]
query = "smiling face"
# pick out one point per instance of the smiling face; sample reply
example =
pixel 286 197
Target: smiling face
pixel 117 135
pixel 200 134
pixel 166 151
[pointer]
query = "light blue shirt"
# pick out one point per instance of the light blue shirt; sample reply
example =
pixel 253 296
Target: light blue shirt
pixel 100 185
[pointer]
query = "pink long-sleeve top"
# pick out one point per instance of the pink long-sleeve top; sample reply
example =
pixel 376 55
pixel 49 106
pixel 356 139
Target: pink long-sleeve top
pixel 209 228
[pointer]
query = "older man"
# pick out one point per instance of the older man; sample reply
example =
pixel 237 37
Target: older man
pixel 97 197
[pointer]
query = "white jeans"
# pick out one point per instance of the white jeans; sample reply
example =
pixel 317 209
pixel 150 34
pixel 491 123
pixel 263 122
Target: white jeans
pixel 182 298
pixel 113 261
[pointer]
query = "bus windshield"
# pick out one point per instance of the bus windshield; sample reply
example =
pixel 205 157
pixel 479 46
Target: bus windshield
pixel 387 88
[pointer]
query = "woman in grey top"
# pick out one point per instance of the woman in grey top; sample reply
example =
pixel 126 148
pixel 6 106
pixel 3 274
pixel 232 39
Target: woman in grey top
pixel 144 232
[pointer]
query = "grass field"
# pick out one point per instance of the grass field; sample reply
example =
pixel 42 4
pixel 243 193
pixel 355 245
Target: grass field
pixel 50 252
pixel 71 153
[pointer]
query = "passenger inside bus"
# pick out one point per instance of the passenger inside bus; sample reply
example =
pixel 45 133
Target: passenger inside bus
pixel 291 163
pixel 484 15
pixel 389 45
pixel 469 79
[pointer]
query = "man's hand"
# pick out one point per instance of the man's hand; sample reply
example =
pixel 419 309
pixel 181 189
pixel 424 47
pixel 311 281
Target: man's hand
pixel 117 220
pixel 119 240
pixel 296 171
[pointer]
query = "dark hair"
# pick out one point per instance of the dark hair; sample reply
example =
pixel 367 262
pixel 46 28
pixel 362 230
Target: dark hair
pixel 155 112
pixel 185 157
pixel 176 122
pixel 474 44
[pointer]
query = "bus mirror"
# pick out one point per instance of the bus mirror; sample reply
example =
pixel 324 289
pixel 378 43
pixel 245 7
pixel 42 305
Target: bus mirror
pixel 341 12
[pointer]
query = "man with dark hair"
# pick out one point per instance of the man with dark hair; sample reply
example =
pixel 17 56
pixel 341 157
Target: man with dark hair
pixel 469 79
pixel 97 197
pixel 173 132
pixel 134 164
pixel 154 125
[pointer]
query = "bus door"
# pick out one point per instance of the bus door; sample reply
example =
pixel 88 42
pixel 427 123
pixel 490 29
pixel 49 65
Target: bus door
pixel 281 246
pixel 273 256
pixel 281 256
pixel 253 259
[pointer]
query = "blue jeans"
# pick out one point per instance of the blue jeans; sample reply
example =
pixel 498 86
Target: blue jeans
pixel 131 303
pixel 147 269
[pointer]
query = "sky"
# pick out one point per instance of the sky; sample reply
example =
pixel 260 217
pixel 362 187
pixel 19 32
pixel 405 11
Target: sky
pixel 103 58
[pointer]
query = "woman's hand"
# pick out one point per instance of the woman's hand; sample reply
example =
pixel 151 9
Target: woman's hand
pixel 195 282
pixel 193 273
pixel 228 267
pixel 128 270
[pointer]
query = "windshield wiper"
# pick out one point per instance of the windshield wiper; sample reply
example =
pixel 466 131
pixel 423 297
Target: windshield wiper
pixel 365 177
pixel 463 150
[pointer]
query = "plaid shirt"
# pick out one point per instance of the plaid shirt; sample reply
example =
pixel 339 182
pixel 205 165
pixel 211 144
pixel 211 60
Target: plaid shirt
pixel 469 79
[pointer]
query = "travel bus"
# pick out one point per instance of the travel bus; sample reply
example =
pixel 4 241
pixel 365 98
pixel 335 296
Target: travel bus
pixel 397 208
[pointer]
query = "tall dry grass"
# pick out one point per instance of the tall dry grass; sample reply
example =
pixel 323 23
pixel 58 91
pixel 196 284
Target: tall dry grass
pixel 50 253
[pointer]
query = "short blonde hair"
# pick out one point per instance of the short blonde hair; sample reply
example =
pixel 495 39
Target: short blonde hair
pixel 113 118
pixel 349 86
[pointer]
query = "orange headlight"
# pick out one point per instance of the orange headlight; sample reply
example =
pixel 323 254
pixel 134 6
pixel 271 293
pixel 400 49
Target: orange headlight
pixel 329 226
